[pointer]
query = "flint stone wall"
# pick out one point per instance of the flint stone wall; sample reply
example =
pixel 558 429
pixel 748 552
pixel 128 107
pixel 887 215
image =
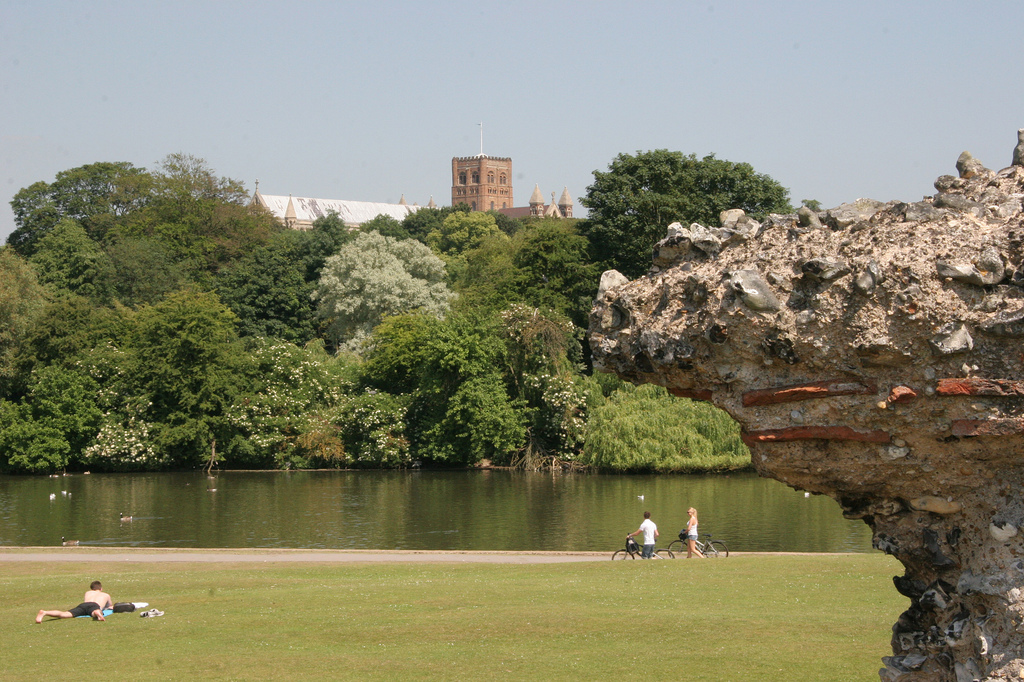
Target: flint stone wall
pixel 873 352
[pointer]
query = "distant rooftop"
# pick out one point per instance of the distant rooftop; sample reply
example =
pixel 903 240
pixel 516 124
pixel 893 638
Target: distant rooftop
pixel 302 211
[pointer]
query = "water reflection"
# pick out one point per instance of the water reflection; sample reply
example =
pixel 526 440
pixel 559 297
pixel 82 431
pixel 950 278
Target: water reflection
pixel 460 510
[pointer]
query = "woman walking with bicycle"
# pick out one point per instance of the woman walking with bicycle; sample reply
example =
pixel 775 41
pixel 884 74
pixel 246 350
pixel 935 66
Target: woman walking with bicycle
pixel 691 534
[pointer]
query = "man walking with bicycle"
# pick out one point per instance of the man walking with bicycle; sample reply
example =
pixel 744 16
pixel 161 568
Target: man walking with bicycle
pixel 650 532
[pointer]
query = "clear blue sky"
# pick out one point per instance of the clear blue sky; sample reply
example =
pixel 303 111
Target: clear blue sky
pixel 370 100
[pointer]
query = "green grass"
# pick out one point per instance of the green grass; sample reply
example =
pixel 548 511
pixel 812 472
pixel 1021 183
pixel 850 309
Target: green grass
pixel 817 617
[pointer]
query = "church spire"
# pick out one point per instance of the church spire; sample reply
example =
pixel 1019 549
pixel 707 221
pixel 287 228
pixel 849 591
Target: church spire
pixel 565 203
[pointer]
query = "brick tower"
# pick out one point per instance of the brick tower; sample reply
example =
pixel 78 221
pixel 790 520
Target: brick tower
pixel 483 182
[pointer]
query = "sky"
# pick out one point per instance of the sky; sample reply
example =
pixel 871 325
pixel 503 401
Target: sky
pixel 370 101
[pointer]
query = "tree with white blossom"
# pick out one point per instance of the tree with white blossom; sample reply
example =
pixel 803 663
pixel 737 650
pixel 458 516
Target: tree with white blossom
pixel 375 276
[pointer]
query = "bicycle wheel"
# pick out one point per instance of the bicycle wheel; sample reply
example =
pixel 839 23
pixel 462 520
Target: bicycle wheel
pixel 677 547
pixel 716 548
pixel 664 554
pixel 621 554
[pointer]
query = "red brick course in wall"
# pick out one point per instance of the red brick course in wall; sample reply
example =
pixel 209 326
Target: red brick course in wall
pixel 816 432
pixel 820 389
pixel 998 388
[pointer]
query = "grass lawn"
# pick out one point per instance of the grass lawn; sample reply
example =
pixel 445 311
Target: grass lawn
pixel 818 617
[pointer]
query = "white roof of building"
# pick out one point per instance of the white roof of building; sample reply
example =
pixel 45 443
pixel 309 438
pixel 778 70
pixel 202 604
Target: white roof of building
pixel 350 212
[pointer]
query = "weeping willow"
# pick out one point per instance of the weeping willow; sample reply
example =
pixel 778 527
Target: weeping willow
pixel 643 428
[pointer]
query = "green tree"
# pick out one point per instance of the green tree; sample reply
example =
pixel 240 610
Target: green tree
pixel 397 352
pixel 643 428
pixel 185 358
pixel 631 205
pixel 285 391
pixel 460 232
pixel 267 290
pixel 96 195
pixel 553 269
pixel 375 276
pixel 69 326
pixel 362 429
pixel 488 279
pixel 387 226
pixel 57 418
pixel 67 260
pixel 22 301
pixel 204 220
pixel 422 222
pixel 462 412
pixel 144 270
pixel 542 360
pixel 314 246
pixel 507 225
pixel 546 265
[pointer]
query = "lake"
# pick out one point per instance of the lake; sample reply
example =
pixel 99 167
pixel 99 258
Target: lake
pixel 416 509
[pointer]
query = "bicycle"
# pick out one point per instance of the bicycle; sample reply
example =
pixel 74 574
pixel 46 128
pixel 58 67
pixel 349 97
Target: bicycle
pixel 632 551
pixel 712 549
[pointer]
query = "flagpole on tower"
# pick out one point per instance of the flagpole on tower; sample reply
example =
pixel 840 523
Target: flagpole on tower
pixel 481 138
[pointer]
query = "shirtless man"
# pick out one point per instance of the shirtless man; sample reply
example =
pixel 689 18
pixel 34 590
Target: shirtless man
pixel 93 603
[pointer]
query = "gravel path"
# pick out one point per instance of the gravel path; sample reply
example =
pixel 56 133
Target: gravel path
pixel 166 555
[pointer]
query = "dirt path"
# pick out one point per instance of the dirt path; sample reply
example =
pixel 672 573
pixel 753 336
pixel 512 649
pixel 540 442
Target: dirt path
pixel 162 555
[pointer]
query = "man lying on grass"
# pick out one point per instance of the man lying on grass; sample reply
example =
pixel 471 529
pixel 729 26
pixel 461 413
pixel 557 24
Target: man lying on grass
pixel 93 603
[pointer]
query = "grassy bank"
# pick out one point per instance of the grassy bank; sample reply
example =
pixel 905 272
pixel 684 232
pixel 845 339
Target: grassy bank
pixel 817 617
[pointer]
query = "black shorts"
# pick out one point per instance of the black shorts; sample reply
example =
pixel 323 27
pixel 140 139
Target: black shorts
pixel 84 609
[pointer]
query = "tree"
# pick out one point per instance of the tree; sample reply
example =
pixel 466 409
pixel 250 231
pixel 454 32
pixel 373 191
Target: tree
pixel 363 429
pixel 374 276
pixel 144 270
pixel 643 428
pixel 57 418
pixel 460 232
pixel 397 351
pixel 69 326
pixel 267 291
pixel 184 178
pixel 96 195
pixel 387 226
pixel 424 221
pixel 487 279
pixel 553 269
pixel 542 360
pixel 506 224
pixel 67 260
pixel 286 389
pixel 185 358
pixel 462 412
pixel 22 300
pixel 314 246
pixel 631 205
pixel 203 220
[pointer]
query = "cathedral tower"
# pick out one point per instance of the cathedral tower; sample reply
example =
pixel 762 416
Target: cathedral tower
pixel 483 182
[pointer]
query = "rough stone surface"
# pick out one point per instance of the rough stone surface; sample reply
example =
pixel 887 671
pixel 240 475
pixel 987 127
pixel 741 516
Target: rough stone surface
pixel 911 381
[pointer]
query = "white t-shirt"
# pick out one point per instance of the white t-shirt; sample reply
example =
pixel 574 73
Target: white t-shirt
pixel 648 528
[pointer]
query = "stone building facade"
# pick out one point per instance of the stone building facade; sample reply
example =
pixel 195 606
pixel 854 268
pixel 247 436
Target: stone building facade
pixel 485 183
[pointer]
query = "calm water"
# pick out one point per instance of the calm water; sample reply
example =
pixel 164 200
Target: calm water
pixel 461 510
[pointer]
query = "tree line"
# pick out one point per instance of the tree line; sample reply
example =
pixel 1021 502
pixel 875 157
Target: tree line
pixel 156 319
